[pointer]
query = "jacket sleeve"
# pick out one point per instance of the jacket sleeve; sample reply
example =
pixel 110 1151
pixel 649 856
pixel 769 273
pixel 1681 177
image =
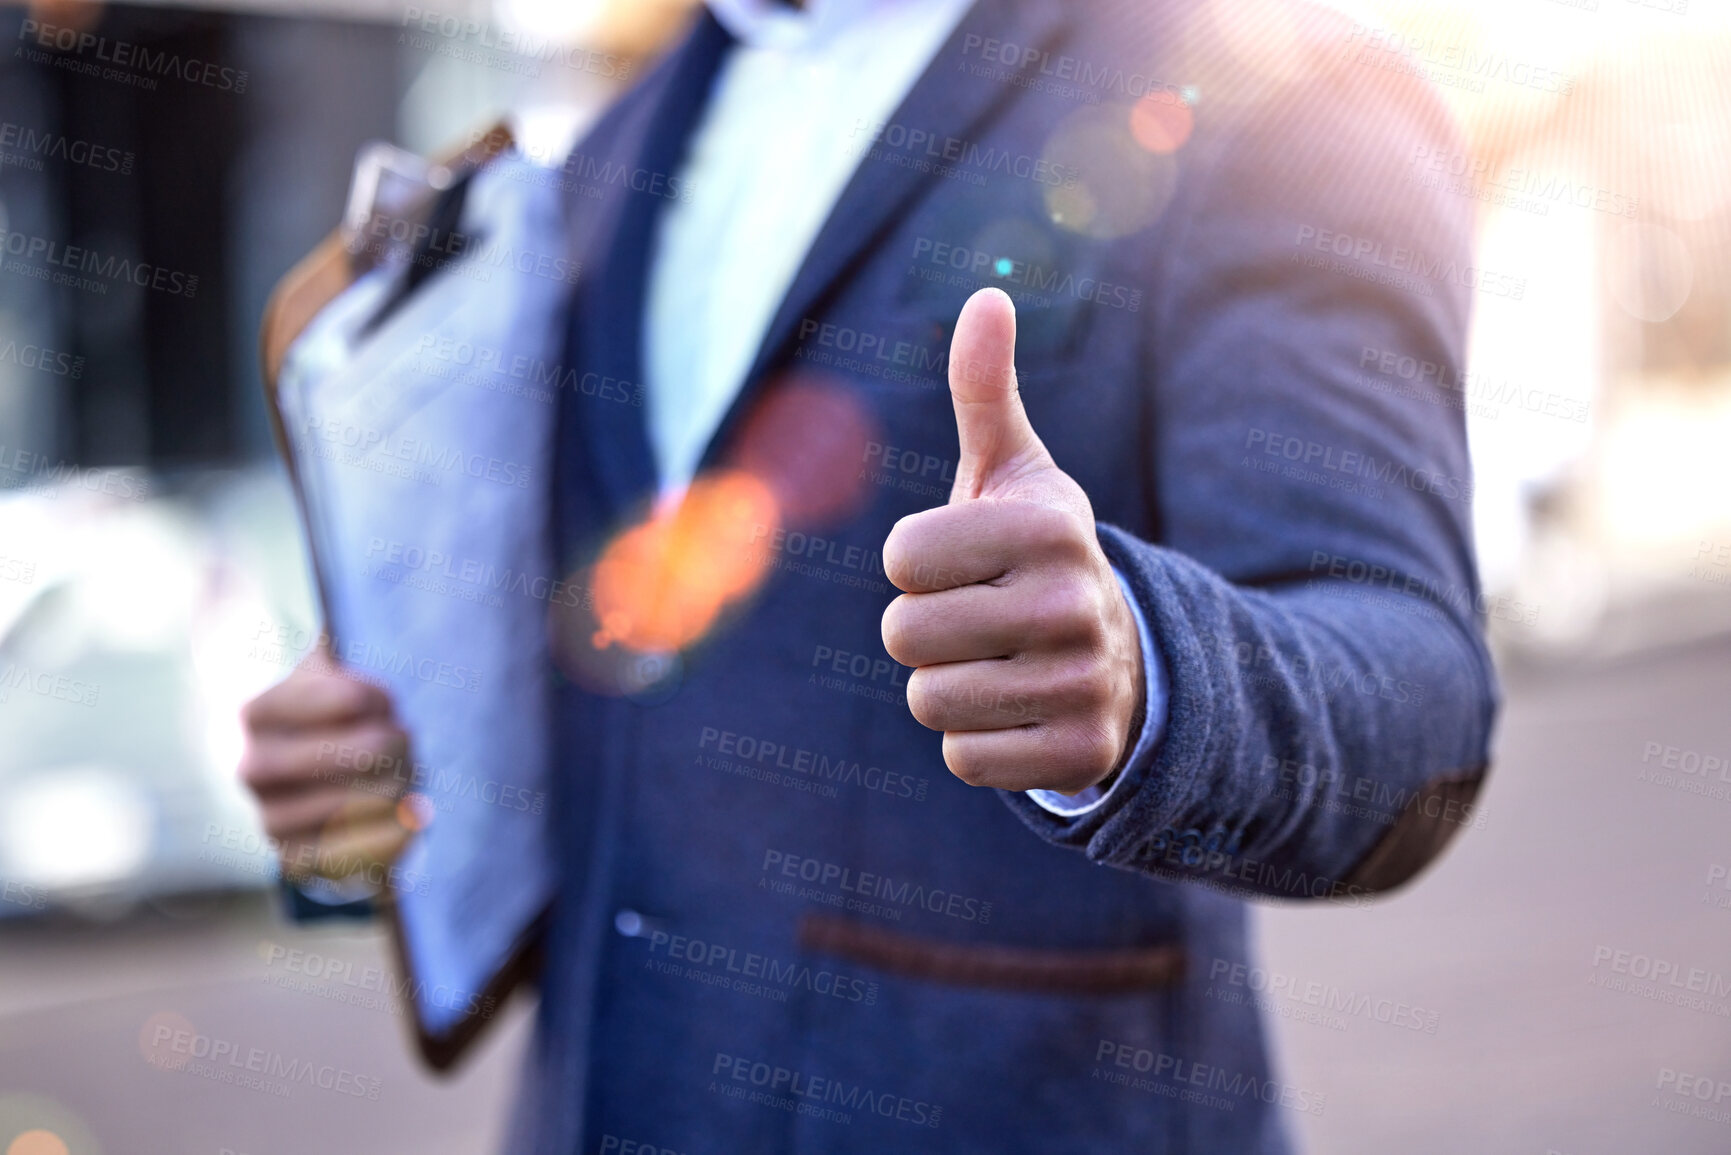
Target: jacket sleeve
pixel 1307 569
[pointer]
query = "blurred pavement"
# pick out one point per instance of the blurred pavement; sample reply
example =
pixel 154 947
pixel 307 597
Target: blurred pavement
pixel 80 1007
pixel 1577 854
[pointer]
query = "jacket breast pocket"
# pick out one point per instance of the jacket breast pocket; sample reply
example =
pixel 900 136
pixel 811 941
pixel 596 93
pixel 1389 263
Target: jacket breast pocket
pixel 1117 970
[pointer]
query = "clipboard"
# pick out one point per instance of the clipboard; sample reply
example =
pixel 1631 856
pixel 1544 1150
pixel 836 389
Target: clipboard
pixel 343 345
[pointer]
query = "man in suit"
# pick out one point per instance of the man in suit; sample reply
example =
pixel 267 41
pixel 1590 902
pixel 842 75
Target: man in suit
pixel 1185 574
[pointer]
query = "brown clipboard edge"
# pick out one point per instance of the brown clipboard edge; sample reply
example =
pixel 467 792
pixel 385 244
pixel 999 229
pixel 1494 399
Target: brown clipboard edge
pixel 302 293
pixel 522 962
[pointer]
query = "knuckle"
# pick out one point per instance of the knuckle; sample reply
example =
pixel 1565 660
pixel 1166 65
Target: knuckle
pixel 1052 530
pixel 380 750
pixel 257 783
pixel 966 766
pixel 1078 755
pixel 1077 543
pixel 1091 689
pixel 1095 750
pixel 925 700
pixel 1071 696
pixel 263 765
pixel 1063 612
pixel 896 630
pixel 277 825
pixel 389 739
pixel 360 696
pixel 250 771
pixel 1078 609
pixel 900 552
pixel 379 699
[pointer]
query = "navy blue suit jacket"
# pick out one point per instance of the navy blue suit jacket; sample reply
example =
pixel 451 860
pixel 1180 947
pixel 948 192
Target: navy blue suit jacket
pixel 781 924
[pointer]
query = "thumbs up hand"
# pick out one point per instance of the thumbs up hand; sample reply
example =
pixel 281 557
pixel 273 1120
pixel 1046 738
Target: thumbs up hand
pixel 1027 656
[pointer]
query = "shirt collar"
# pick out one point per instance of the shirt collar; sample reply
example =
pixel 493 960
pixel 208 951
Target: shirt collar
pixel 776 24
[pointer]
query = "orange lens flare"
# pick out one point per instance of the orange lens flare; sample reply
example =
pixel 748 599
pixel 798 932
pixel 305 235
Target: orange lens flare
pixel 661 585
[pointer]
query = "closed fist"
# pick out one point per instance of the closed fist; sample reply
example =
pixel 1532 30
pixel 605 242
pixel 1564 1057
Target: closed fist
pixel 328 764
pixel 1026 655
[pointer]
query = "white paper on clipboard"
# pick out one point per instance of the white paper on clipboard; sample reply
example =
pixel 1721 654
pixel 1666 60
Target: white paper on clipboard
pixel 424 470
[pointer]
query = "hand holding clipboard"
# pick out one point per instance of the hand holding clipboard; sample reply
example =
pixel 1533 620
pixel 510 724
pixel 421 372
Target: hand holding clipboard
pixel 425 564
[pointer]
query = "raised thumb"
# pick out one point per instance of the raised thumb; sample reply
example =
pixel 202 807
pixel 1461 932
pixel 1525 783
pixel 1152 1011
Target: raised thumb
pixel 998 444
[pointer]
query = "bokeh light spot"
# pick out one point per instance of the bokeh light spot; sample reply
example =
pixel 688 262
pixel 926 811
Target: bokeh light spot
pixel 34 1124
pixel 37 1142
pixel 806 440
pixel 1115 184
pixel 1161 123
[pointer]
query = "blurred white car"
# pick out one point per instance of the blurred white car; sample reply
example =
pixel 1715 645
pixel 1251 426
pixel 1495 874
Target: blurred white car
pixel 137 614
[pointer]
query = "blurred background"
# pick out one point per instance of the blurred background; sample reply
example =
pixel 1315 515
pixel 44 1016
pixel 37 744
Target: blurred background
pixel 151 580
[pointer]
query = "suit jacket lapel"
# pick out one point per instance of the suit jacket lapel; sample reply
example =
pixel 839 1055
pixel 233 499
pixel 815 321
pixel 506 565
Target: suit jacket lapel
pixel 946 101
